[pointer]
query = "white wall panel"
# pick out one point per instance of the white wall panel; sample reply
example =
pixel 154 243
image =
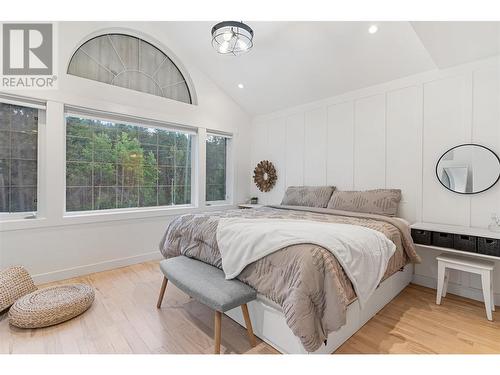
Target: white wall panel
pixel 404 146
pixel 447 123
pixel 54 253
pixel 294 174
pixel 259 151
pixel 340 146
pixel 396 142
pixel 389 144
pixel 369 145
pixel 277 150
pixel 486 131
pixel 315 147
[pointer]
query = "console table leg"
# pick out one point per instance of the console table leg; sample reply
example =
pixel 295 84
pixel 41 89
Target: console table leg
pixel 440 283
pixel 446 280
pixel 486 282
pixel 492 293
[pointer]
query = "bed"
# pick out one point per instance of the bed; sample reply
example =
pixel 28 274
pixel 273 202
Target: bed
pixel 306 302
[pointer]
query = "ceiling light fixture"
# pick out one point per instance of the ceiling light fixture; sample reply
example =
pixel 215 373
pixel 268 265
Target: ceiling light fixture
pixel 240 85
pixel 232 37
pixel 373 29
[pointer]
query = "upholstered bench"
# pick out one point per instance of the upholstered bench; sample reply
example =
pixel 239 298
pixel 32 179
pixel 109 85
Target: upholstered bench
pixel 207 284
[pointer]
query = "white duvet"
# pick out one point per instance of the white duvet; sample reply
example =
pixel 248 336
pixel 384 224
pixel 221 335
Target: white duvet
pixel 363 253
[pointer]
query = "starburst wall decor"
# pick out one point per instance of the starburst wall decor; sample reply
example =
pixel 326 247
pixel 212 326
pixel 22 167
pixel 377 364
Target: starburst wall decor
pixel 265 176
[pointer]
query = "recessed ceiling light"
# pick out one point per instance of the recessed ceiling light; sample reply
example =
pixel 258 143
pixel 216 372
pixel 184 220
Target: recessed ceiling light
pixel 240 85
pixel 373 29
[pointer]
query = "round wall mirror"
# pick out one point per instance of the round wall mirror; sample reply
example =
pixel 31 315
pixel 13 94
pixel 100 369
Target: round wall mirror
pixel 468 169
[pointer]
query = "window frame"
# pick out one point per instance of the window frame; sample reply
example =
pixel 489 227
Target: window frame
pixel 73 111
pixel 229 170
pixel 40 171
pixel 52 167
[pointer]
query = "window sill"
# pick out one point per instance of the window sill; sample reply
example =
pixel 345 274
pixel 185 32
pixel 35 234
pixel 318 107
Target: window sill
pixel 93 217
pixel 218 204
pixel 125 212
pixel 75 218
pixel 22 223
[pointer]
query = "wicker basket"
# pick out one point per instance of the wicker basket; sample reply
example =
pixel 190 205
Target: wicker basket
pixel 15 282
pixel 49 306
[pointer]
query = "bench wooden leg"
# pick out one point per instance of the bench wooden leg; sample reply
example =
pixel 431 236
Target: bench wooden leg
pixel 248 324
pixel 217 329
pixel 162 292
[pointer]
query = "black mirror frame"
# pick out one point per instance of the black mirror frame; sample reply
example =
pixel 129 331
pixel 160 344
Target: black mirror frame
pixel 468 144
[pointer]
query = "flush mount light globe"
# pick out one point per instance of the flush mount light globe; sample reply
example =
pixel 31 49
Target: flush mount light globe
pixel 232 38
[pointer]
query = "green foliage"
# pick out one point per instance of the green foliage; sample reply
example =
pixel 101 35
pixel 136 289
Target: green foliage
pixel 216 168
pixel 125 166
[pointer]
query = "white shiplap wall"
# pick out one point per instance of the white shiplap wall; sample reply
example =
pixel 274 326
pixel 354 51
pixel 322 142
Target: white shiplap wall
pixel 391 135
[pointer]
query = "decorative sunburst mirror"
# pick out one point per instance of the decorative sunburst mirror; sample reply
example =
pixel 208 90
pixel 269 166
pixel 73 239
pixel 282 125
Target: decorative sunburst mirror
pixel 264 175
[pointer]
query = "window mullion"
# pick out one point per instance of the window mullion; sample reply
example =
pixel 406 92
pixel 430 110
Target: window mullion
pixel 54 162
pixel 9 192
pixel 201 157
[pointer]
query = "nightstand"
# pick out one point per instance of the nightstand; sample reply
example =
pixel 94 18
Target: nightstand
pixel 246 206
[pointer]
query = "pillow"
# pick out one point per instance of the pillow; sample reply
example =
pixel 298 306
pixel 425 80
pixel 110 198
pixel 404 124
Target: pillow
pixel 309 196
pixel 379 201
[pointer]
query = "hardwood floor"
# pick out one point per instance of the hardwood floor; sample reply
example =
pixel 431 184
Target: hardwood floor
pixel 413 323
pixel 124 319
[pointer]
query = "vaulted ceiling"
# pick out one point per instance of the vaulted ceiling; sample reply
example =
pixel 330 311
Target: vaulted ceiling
pixel 294 63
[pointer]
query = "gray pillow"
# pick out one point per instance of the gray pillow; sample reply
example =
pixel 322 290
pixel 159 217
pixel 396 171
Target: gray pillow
pixel 379 201
pixel 309 196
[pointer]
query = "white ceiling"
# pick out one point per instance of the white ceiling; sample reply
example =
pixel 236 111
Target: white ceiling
pixel 294 63
pixel 453 43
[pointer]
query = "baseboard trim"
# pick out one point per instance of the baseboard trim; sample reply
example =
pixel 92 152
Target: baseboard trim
pixel 68 273
pixel 459 290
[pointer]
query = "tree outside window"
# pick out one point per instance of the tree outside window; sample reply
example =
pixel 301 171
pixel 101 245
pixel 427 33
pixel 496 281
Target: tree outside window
pixel 18 158
pixel 216 168
pixel 112 165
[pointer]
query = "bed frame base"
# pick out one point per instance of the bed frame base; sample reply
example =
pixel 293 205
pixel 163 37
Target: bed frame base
pixel 270 326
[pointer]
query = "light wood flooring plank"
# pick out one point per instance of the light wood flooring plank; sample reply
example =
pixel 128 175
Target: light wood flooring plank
pixel 124 319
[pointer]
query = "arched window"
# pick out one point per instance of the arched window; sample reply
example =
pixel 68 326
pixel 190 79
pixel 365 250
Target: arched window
pixel 127 61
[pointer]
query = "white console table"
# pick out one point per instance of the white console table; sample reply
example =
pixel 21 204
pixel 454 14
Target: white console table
pixel 455 229
pixel 484 240
pixel 470 231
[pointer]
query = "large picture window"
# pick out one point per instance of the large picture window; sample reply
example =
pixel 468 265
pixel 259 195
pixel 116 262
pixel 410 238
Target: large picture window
pixel 113 165
pixel 216 171
pixel 18 158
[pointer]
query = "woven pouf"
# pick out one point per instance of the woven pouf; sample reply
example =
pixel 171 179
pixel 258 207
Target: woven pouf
pixel 49 306
pixel 15 282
